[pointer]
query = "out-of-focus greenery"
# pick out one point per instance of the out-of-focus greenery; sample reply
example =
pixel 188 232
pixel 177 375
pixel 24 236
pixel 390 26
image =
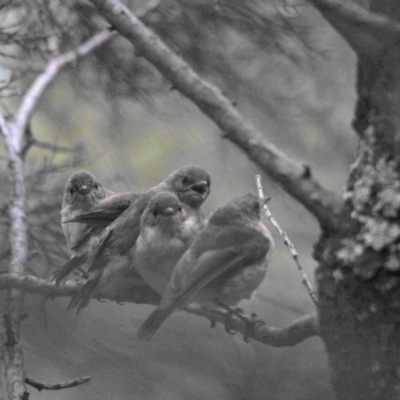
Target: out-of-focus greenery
pixel 293 77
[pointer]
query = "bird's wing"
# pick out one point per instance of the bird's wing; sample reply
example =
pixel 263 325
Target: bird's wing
pixel 107 210
pixel 211 264
pixel 71 265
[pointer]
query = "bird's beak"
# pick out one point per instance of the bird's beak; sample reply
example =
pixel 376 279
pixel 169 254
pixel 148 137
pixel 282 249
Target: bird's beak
pixel 202 188
pixel 169 211
pixel 84 189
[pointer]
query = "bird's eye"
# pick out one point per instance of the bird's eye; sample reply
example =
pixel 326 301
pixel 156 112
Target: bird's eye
pixel 71 190
pixel 96 186
pixel 179 208
pixel 185 180
pixel 155 213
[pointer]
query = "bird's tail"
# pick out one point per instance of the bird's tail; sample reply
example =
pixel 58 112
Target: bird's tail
pixel 71 265
pixel 83 296
pixel 152 323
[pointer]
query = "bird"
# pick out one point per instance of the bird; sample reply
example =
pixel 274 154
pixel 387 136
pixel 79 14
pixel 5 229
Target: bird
pixel 84 193
pixel 166 232
pixel 225 264
pixel 113 253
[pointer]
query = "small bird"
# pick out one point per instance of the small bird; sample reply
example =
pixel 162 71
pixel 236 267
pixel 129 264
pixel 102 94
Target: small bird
pixel 225 264
pixel 84 193
pixel 166 232
pixel 114 251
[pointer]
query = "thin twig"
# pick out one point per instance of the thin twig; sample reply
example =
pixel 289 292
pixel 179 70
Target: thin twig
pixel 287 242
pixel 57 386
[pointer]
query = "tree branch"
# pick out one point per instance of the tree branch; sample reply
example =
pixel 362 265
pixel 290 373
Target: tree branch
pixel 257 330
pixel 57 386
pixel 366 32
pixel 12 350
pixel 295 333
pixel 294 177
pixel 140 293
pixel 53 68
pixel 288 243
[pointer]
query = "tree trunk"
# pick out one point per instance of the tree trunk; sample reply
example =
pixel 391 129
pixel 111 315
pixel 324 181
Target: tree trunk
pixel 359 265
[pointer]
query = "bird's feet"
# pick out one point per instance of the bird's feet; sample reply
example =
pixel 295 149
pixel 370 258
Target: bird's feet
pixel 250 322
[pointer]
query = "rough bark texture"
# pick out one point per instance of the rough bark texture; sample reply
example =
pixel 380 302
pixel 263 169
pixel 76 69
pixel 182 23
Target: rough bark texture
pixel 359 267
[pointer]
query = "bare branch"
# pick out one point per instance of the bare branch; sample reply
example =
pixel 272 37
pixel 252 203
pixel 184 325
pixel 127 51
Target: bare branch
pixel 140 293
pixel 15 372
pixel 57 386
pixel 287 243
pixel 295 178
pixel 54 147
pixel 366 32
pixel 12 352
pixel 257 330
pixel 30 140
pixel 295 333
pixel 53 68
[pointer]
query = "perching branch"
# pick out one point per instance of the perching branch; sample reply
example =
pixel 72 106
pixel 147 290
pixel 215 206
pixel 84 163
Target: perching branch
pixel 140 293
pixel 366 32
pixel 57 386
pixel 291 335
pixel 294 177
pixel 287 243
pixel 295 333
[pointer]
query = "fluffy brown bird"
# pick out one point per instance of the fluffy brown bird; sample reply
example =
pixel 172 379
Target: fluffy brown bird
pixel 114 252
pixel 82 193
pixel 166 232
pixel 85 193
pixel 225 264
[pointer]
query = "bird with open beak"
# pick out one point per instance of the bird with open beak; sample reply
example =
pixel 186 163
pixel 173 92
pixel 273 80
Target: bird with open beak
pixel 114 252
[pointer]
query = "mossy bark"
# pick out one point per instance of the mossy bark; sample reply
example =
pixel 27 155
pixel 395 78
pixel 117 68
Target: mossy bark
pixel 359 265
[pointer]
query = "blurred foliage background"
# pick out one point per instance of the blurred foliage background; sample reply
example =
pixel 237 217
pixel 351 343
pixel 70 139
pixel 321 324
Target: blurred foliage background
pixel 288 72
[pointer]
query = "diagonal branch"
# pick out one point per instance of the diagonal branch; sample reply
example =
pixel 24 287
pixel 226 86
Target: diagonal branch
pixel 294 177
pixel 47 76
pixel 257 330
pixel 366 32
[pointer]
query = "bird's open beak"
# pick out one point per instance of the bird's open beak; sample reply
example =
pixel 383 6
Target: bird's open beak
pixel 202 188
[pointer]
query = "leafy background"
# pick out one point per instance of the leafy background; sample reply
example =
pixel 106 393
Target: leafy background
pixel 292 76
